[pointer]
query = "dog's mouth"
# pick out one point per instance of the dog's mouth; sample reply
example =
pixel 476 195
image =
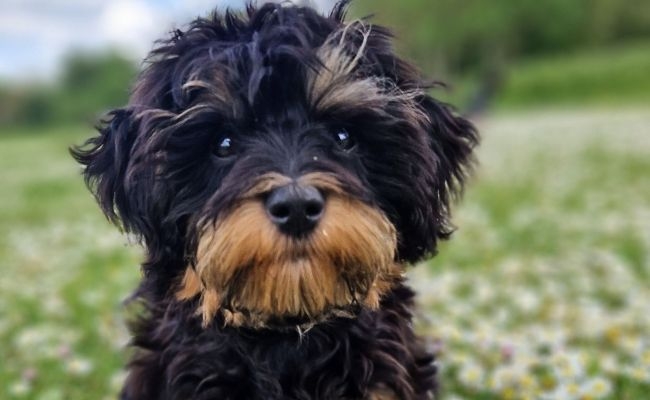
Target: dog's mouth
pixel 254 275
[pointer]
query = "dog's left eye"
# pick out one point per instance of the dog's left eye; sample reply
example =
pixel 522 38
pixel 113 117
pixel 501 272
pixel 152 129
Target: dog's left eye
pixel 344 139
pixel 224 148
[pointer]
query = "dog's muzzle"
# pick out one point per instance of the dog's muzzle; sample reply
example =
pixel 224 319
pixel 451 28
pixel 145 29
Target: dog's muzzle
pixel 292 250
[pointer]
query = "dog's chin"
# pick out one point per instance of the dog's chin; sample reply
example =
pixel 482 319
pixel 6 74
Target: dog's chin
pixel 253 275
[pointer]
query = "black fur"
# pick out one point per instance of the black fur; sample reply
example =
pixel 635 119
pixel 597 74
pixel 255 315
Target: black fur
pixel 343 359
pixel 153 172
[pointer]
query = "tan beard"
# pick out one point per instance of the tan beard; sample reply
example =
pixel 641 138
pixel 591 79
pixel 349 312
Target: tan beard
pixel 252 273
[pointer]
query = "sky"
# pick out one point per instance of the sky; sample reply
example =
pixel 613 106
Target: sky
pixel 35 35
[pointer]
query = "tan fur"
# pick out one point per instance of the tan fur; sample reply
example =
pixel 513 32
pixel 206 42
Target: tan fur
pixel 382 395
pixel 338 84
pixel 216 92
pixel 251 271
pixel 190 285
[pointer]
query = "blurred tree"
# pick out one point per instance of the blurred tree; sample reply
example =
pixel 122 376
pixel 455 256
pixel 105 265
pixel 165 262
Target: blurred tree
pixel 89 84
pixel 38 107
pixel 480 38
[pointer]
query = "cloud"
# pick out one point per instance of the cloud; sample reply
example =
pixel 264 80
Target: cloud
pixel 131 25
pixel 35 35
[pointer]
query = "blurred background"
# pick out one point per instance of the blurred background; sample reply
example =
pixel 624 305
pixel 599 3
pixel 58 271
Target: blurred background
pixel 544 291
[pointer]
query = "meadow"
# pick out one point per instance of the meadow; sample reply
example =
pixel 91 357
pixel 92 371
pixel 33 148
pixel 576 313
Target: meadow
pixel 543 292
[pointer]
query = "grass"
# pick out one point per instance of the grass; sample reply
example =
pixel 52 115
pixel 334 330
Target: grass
pixel 64 273
pixel 603 77
pixel 543 291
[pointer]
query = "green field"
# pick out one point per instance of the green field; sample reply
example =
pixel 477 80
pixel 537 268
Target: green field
pixel 600 77
pixel 617 75
pixel 543 292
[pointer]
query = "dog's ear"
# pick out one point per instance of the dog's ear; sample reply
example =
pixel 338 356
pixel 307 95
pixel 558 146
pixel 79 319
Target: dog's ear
pixel 452 139
pixel 437 177
pixel 106 158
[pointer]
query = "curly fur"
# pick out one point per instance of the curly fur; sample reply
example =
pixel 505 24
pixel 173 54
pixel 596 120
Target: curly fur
pixel 342 359
pixel 280 81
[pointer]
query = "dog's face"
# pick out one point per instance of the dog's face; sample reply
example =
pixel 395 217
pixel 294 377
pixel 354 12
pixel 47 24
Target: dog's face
pixel 282 165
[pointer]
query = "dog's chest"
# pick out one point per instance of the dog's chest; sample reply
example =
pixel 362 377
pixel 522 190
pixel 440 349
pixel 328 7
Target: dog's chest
pixel 317 364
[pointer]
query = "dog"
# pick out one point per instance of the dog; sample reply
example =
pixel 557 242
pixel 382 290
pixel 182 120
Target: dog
pixel 282 168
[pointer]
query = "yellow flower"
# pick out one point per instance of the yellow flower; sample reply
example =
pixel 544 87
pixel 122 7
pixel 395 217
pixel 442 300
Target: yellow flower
pixel 79 366
pixel 508 394
pixel 613 334
pixel 471 374
pixel 596 388
pixel 645 357
pixel 20 388
pixel 527 381
pixel 573 389
pixel 548 382
pixel 640 374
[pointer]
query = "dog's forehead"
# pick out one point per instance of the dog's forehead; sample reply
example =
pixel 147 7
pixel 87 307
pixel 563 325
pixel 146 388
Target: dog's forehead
pixel 274 72
pixel 284 78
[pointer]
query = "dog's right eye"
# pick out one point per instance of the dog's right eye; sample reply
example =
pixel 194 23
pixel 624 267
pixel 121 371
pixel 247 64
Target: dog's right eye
pixel 224 148
pixel 344 140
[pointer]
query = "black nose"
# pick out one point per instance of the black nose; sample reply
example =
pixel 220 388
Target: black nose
pixel 295 209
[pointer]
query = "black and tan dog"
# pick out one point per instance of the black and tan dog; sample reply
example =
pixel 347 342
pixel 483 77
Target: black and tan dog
pixel 281 168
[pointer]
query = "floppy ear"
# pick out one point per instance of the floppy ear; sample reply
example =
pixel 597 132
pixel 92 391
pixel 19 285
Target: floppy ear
pixel 452 140
pixel 438 171
pixel 106 159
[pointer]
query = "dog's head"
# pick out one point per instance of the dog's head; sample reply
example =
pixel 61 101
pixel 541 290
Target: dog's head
pixel 290 163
